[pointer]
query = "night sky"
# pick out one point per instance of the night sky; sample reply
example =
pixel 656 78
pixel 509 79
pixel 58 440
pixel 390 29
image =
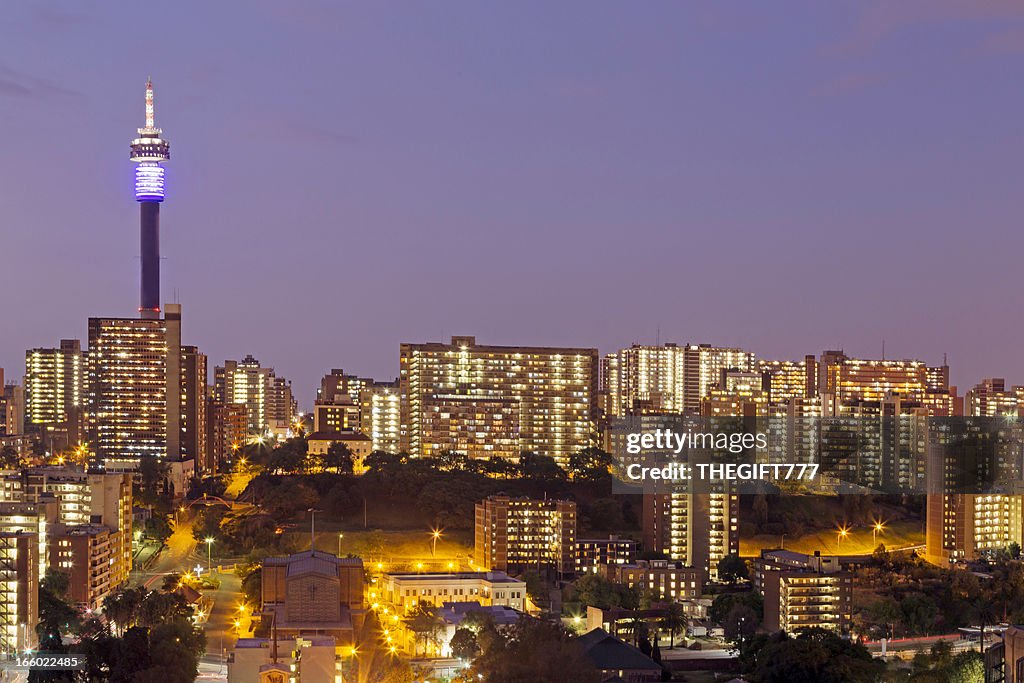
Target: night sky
pixel 786 177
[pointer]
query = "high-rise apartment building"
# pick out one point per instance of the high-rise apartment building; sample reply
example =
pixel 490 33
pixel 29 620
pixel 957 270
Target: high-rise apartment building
pixel 134 394
pixel 497 401
pixel 803 591
pixel 970 462
pixel 380 415
pixel 55 386
pixel 19 592
pixel 228 430
pixel 88 500
pixel 666 379
pixel 852 379
pixel 267 397
pixel 990 398
pixel 516 534
pixel 787 380
pixel 695 528
pixel 194 421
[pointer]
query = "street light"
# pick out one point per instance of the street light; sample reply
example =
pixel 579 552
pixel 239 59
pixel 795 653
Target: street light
pixel 340 536
pixel 435 534
pixel 209 554
pixel 878 528
pixel 841 533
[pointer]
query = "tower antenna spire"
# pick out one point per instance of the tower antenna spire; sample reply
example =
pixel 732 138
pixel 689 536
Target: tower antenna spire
pixel 150 109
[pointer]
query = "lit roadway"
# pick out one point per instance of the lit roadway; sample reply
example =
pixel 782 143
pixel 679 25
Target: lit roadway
pixel 174 559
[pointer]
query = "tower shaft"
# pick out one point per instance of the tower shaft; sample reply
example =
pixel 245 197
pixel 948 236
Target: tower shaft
pixel 149 302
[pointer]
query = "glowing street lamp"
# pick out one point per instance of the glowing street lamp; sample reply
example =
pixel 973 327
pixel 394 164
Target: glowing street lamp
pixel 841 533
pixel 340 536
pixel 878 528
pixel 435 534
pixel 209 554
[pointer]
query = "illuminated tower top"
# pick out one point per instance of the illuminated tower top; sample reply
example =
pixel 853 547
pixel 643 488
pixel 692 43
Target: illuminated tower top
pixel 149 146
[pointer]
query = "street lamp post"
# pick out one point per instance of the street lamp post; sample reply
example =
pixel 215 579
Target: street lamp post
pixel 340 536
pixel 841 533
pixel 209 554
pixel 878 528
pixel 435 534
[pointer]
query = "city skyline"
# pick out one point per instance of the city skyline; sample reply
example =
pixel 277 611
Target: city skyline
pixel 434 175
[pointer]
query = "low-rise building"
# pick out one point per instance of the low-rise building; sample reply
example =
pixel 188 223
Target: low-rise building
pixel 591 553
pixel 405 591
pixel 358 444
pixel 313 592
pixel 670 580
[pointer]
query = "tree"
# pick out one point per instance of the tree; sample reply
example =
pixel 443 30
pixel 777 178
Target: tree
pixel 919 613
pixel 339 458
pixel 540 467
pixel 725 603
pixel 740 623
pixel 733 568
pixel 966 667
pixel 463 644
pixel 594 590
pixel 534 651
pixel 9 459
pixel 812 656
pixel 673 622
pixel 56 615
pixel 426 626
pixel 590 464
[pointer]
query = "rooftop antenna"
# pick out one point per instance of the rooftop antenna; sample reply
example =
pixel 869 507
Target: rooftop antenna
pixel 883 349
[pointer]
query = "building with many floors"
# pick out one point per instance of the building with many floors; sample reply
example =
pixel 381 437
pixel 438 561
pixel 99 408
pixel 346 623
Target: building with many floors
pixel 516 534
pixel 497 401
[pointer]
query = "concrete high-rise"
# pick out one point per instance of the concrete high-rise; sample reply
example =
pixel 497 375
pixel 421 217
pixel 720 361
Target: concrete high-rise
pixel 267 397
pixel 55 386
pixel 668 379
pixel 497 401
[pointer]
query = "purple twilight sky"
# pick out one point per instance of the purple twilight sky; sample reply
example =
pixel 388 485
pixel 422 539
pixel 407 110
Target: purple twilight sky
pixel 785 176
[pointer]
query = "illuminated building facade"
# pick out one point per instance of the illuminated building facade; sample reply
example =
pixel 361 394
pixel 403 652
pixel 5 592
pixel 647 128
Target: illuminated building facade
pixel 803 591
pixel 228 431
pixel 592 553
pixel 55 385
pixel 517 534
pixel 789 380
pixel 89 499
pixel 695 528
pixel 267 397
pixel 380 415
pixel 666 379
pixel 339 415
pixel 134 396
pixel 194 418
pixel 990 398
pixel 968 462
pixel 489 401
pixel 405 591
pixel 852 379
pixel 669 580
pixel 19 592
pixel 87 554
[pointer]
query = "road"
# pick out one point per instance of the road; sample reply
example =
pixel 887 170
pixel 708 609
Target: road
pixel 175 558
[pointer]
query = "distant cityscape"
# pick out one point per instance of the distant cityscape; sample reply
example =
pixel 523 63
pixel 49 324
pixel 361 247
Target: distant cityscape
pixel 474 488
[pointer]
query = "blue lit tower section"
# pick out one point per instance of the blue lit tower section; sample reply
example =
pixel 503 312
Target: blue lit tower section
pixel 149 150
